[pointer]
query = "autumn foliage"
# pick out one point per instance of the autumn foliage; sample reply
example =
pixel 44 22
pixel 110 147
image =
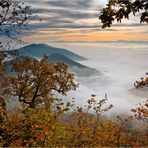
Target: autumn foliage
pixel 143 82
pixel 43 120
pixel 34 82
pixel 46 128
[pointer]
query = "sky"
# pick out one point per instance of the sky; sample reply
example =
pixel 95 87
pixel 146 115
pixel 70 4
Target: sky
pixel 74 25
pixel 77 21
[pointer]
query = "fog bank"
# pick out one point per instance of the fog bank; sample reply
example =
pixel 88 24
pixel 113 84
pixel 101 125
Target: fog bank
pixel 121 64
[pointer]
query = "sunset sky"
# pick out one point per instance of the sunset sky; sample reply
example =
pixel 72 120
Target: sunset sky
pixel 77 21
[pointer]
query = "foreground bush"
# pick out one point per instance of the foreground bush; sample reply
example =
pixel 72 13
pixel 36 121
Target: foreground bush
pixel 82 127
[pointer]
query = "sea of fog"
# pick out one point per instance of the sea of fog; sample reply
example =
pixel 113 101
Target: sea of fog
pixel 121 65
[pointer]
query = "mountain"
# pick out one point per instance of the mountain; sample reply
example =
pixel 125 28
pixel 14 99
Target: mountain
pixel 38 51
pixel 54 55
pixel 77 68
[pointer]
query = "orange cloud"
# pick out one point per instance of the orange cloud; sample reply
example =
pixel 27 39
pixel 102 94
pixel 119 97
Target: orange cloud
pixel 88 34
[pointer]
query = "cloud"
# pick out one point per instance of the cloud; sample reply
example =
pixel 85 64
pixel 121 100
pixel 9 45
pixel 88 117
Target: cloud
pixel 67 15
pixel 59 11
pixel 70 4
pixel 75 4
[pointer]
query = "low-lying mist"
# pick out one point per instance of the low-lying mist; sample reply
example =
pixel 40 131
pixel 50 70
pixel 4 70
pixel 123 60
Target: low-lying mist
pixel 121 66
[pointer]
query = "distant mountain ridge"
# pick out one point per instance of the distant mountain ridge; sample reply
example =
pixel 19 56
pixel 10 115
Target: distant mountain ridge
pixel 57 57
pixel 39 50
pixel 54 54
pixel 77 68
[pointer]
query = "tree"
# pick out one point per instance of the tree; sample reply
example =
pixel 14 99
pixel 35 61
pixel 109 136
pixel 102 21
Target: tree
pixel 3 77
pixel 116 10
pixel 14 17
pixel 143 82
pixel 141 112
pixel 35 81
pixel 38 127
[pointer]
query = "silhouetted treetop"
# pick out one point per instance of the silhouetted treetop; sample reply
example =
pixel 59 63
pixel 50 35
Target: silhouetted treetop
pixel 13 16
pixel 116 10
